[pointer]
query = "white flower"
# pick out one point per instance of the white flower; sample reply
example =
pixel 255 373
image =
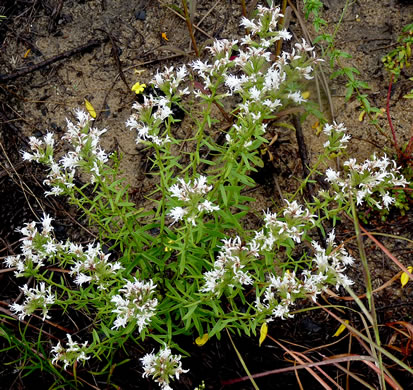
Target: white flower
pixel 82 278
pixel 70 160
pixel 284 34
pixel 332 176
pixel 227 269
pixel 74 352
pixel 135 304
pixel 55 191
pixel 162 367
pixel 50 247
pixel 201 67
pixel 304 46
pixel 178 213
pixel 207 206
pixel 82 116
pixel 273 104
pixel 35 298
pixel 235 83
pixel 28 156
pixel 92 265
pixel 250 25
pixel 46 223
pixel 387 200
pixel 255 93
pixel 282 311
pixel 296 97
pixel 48 139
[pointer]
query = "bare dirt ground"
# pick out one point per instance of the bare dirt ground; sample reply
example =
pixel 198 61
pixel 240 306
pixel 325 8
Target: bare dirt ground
pixel 97 50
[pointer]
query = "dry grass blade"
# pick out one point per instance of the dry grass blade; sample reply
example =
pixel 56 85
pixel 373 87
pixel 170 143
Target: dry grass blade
pixel 208 12
pixel 316 376
pixel 155 60
pixel 354 376
pixel 320 369
pixel 387 252
pixel 189 25
pixel 382 287
pixel 322 76
pixel 366 339
pixel 25 188
pixel 302 366
pixel 196 27
pixel 405 349
pixel 242 362
pixel 173 49
pixel 387 378
pixel 284 21
pixel 251 7
pixel 192 10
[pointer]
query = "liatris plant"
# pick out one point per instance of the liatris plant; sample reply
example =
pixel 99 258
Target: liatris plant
pixel 189 265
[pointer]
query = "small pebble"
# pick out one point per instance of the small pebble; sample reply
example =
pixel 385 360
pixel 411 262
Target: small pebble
pixel 140 15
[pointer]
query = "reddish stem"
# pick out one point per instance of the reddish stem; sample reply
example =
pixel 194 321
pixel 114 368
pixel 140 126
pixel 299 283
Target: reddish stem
pixel 388 115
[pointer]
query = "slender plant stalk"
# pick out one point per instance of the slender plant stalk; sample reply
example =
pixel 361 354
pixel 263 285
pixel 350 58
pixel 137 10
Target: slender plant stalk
pixel 393 132
pixel 280 42
pixel 242 362
pixel 189 24
pixel 369 288
pixel 244 8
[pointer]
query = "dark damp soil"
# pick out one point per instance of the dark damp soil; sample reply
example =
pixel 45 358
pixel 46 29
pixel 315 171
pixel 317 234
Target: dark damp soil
pixel 106 45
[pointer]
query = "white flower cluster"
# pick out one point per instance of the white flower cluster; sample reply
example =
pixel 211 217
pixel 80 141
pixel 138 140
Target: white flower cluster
pixel 73 352
pixel 168 81
pixel 92 265
pixel 337 137
pixel 34 299
pixel 282 292
pixel 86 153
pixel 256 77
pixel 333 261
pixel 228 268
pixel 191 194
pixel 135 303
pixel 363 180
pixel 297 220
pixel 265 23
pixel 157 106
pixel 233 257
pixel 36 248
pixel 162 367
pixel 148 119
pixel 40 148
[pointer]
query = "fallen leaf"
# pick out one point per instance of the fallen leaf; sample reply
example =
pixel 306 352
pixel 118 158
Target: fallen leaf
pixel 200 341
pixel 340 329
pixel 263 333
pixel 90 109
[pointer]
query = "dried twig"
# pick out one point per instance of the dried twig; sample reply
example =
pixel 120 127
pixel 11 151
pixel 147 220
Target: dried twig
pixel 115 54
pixel 69 53
pixel 183 18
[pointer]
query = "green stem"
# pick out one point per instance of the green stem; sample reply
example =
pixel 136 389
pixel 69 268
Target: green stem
pixel 163 182
pixel 369 288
